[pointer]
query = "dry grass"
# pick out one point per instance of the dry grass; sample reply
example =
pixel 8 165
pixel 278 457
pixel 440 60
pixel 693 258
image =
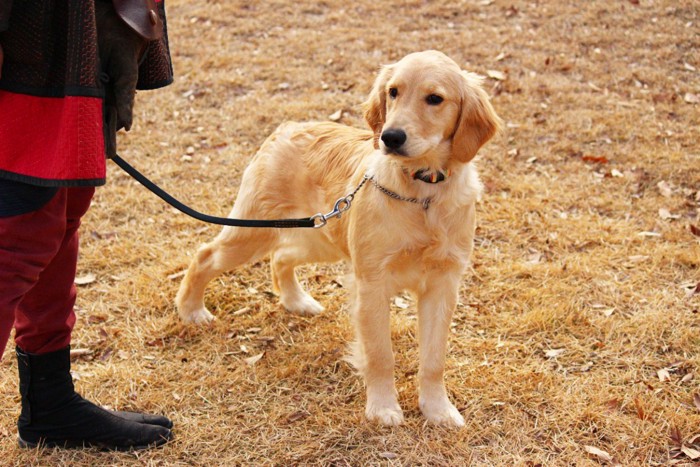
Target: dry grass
pixel 599 138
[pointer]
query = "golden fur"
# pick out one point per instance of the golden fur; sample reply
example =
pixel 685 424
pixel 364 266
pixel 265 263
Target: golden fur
pixel 392 245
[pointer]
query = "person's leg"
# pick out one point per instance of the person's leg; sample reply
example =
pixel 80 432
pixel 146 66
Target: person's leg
pixel 29 237
pixel 38 267
pixel 45 317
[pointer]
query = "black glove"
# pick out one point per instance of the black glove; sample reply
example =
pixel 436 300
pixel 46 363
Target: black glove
pixel 121 49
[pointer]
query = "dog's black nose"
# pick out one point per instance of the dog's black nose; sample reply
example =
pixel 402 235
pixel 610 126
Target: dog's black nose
pixel 393 138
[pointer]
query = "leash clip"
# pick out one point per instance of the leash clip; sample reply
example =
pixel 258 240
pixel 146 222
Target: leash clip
pixel 342 205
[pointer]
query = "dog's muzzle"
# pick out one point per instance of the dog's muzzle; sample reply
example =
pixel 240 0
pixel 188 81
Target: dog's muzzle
pixel 393 139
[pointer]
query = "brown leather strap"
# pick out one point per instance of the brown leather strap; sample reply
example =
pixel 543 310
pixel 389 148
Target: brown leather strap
pixel 141 16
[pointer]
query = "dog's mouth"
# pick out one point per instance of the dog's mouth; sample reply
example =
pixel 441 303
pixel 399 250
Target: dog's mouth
pixel 394 152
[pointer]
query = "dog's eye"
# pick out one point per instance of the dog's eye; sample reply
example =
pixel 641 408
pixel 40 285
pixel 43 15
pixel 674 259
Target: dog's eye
pixel 393 92
pixel 434 99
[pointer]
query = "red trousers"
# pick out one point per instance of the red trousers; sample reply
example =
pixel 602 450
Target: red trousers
pixel 38 257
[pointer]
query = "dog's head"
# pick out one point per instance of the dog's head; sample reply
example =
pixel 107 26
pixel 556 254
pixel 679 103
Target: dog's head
pixel 426 107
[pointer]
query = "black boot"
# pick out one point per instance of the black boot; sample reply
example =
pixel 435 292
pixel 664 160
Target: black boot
pixel 53 414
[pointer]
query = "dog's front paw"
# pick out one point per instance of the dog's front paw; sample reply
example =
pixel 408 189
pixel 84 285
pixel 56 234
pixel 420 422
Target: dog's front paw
pixel 386 414
pixel 440 411
pixel 199 316
pixel 302 305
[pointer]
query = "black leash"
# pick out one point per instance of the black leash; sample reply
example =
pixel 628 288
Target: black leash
pixel 279 223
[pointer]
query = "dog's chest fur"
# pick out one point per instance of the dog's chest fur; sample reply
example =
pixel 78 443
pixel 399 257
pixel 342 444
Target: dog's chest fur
pixel 412 243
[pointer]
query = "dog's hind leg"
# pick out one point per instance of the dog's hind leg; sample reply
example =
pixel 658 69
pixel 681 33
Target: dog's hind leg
pixel 233 247
pixel 292 296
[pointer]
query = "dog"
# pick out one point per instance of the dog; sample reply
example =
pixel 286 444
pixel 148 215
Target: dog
pixel 410 226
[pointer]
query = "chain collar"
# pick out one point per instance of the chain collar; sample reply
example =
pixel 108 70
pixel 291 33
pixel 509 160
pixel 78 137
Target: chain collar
pixel 425 202
pixel 343 204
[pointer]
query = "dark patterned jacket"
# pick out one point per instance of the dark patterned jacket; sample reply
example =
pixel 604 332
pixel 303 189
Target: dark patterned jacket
pixel 51 99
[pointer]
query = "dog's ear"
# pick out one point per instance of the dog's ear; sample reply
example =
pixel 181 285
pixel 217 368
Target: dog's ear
pixel 477 122
pixel 375 105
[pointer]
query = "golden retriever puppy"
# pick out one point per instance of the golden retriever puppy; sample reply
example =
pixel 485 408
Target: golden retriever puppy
pixel 410 227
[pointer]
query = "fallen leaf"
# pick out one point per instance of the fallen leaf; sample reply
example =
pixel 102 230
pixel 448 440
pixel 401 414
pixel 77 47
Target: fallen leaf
pixel 640 409
pixel 687 378
pixel 534 258
pixel 664 188
pixel 695 230
pixel 693 439
pixel 500 56
pixel 694 454
pixel 254 359
pixel 79 352
pixel 688 66
pixel 554 353
pixel 566 67
pixel 388 455
pixel 696 400
pixel 595 159
pixel 540 118
pixel 663 97
pixel 495 74
pixel 80 375
pixel 336 116
pixel 613 405
pixel 616 173
pixel 665 214
pixel 675 436
pixel 599 453
pixel 691 98
pixel 86 279
pixel 663 375
pixel 96 319
pixel 241 311
pixel 511 11
pixel 103 236
pixel 177 275
pixel 649 234
pixel 692 290
pixel 106 355
pixel 594 86
pixel 674 453
pixel 401 303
